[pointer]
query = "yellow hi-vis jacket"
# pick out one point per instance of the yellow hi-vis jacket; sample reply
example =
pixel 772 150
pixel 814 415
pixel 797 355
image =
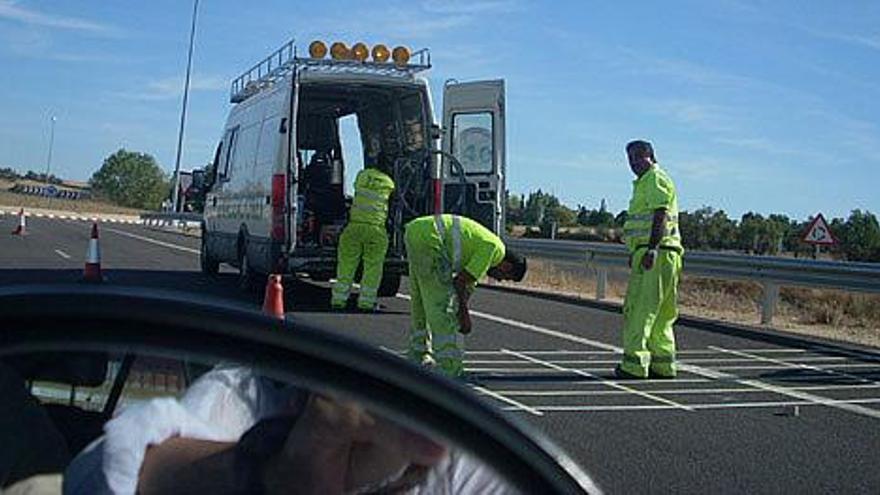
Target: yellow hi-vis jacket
pixel 372 188
pixel 652 191
pixel 464 243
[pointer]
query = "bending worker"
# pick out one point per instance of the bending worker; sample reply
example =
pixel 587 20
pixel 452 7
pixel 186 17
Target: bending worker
pixel 448 255
pixel 654 242
pixel 364 238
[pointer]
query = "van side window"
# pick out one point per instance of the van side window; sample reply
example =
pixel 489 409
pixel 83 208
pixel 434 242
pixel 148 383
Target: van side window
pixel 229 143
pixel 245 150
pixel 269 137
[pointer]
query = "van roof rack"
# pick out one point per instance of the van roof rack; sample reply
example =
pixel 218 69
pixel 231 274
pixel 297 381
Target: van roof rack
pixel 284 61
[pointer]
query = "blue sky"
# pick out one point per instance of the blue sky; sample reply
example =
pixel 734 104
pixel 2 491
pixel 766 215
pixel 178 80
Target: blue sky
pixel 765 106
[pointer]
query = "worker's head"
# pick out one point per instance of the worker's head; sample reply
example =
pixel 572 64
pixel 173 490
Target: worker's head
pixel 512 267
pixel 640 155
pixel 380 162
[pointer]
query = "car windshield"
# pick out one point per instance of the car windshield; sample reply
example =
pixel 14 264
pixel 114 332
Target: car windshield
pixel 198 426
pixel 647 232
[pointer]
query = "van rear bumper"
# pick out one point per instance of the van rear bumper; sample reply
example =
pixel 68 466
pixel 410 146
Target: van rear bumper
pixel 326 265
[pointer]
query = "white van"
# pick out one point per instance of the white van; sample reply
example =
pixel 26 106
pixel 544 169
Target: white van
pixel 276 201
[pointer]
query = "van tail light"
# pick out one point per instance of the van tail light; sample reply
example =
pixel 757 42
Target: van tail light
pixel 438 208
pixel 279 190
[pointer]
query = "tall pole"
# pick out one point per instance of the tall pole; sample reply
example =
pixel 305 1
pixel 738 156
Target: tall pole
pixel 192 36
pixel 51 145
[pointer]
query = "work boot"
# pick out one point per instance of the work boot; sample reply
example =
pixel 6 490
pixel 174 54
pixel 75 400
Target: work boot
pixel 653 375
pixel 621 374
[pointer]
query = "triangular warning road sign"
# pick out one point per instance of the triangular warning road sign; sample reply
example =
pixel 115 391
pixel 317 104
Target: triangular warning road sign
pixel 819 233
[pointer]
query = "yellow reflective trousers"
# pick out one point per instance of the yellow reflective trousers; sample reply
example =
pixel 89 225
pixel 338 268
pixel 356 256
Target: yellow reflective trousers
pixel 649 311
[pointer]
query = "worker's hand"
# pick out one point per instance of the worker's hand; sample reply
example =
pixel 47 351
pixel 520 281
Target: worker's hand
pixel 648 259
pixel 464 320
pixel 336 447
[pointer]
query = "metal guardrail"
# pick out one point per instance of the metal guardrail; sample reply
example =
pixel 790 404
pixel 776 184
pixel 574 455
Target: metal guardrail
pixel 771 272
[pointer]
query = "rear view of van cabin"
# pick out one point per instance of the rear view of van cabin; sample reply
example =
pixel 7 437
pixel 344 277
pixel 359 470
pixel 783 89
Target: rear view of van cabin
pixel 277 202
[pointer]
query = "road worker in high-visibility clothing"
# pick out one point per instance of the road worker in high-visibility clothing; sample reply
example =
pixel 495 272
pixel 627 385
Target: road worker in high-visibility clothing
pixel 364 238
pixel 448 255
pixel 652 236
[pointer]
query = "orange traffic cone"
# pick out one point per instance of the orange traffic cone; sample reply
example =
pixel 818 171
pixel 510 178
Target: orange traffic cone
pixel 92 271
pixel 273 300
pixel 22 228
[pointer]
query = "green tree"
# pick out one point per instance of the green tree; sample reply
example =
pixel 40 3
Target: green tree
pixel 562 215
pixel 131 179
pixel 751 230
pixel 860 236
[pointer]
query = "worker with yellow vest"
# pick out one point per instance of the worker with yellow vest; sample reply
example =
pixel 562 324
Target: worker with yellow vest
pixel 364 238
pixel 448 255
pixel 652 236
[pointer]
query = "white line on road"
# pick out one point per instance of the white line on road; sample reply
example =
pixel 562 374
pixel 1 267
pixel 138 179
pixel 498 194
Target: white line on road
pixel 62 254
pixel 735 405
pixel 832 361
pixel 633 391
pixel 152 241
pixel 697 370
pixel 795 365
pixel 517 405
pixel 681 391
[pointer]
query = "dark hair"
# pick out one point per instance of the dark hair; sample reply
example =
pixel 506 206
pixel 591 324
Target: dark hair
pixel 518 262
pixel 642 148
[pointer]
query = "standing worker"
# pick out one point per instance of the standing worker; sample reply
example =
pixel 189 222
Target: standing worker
pixel 448 255
pixel 654 242
pixel 364 237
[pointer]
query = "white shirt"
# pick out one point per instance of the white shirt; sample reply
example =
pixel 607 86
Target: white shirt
pixel 221 406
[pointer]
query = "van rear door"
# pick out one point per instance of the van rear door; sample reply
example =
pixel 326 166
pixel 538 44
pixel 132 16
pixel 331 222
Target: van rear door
pixel 473 123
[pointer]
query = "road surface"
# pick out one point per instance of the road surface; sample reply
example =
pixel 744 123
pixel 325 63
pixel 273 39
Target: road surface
pixel 752 411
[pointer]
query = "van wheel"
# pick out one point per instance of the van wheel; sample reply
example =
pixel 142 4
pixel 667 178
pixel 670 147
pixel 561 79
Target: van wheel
pixel 246 277
pixel 390 285
pixel 209 265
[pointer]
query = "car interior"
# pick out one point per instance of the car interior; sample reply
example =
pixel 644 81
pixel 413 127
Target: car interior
pixel 56 344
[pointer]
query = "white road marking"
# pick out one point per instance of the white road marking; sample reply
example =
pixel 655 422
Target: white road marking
pixel 153 241
pixel 697 370
pixel 737 405
pixel 681 391
pixel 831 361
pixel 633 391
pixel 789 364
pixel 517 405
pixel 62 254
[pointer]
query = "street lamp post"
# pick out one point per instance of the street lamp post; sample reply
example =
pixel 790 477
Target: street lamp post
pixel 51 145
pixel 192 35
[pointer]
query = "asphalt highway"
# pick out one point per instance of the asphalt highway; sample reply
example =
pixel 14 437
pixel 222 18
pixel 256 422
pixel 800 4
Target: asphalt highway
pixel 753 410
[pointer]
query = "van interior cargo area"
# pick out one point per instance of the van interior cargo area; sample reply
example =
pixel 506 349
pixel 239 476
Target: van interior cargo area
pixel 392 123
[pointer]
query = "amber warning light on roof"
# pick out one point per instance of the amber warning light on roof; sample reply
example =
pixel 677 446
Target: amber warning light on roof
pixel 360 52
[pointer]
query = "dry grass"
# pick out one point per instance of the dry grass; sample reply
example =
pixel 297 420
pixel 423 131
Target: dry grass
pixel 836 315
pixel 13 200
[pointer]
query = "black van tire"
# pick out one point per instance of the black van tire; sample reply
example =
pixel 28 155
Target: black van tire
pixel 246 277
pixel 209 265
pixel 390 285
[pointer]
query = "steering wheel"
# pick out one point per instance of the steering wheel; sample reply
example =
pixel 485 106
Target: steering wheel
pixel 413 174
pixel 74 319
